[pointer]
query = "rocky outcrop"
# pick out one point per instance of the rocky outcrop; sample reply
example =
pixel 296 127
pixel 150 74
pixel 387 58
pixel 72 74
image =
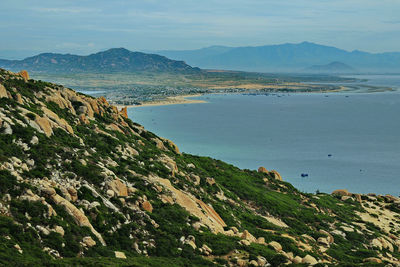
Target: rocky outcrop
pixel 263 170
pixel 341 192
pixel 24 74
pixel 118 187
pixel 3 91
pixel 124 112
pixel 44 125
pixel 275 175
pixel 146 205
pixel 78 215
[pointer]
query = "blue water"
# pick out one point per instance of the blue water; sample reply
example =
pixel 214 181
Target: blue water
pixel 293 134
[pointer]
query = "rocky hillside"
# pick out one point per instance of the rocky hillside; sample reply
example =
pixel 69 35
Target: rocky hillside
pixel 112 60
pixel 81 184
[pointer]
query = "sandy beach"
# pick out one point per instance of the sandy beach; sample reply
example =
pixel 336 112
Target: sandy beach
pixel 171 100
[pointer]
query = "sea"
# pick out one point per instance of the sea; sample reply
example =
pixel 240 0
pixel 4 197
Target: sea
pixel 316 141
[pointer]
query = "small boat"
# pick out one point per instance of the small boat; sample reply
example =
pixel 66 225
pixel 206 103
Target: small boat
pixel 304 175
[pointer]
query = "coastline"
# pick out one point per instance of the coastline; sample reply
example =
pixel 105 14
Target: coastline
pixel 171 100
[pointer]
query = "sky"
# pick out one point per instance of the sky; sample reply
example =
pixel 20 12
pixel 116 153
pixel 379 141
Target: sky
pixel 29 27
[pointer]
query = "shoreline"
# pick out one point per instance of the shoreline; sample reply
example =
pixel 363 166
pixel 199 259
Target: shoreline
pixel 171 100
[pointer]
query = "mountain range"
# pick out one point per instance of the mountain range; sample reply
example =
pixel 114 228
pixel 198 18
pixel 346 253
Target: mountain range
pixel 112 60
pixel 284 58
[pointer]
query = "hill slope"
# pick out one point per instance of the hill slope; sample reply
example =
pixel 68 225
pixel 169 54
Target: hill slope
pixel 284 57
pixel 112 60
pixel 82 184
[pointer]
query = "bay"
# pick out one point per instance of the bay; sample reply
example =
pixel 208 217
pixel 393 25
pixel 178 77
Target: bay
pixel 341 140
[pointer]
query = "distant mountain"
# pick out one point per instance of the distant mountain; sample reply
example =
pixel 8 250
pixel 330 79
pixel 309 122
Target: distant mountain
pixel 333 67
pixel 112 60
pixel 284 57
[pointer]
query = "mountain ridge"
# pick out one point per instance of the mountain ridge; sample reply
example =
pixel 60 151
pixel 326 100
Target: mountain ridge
pixel 111 60
pixel 286 57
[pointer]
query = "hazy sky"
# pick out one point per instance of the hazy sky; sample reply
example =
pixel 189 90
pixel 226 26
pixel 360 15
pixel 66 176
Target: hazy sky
pixel 85 26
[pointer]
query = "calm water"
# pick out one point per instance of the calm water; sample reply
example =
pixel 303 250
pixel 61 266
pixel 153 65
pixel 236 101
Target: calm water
pixel 293 134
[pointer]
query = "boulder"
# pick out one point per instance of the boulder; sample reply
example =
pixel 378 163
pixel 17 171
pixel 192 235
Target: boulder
pixel 88 240
pixel 253 263
pixel 118 187
pixel 120 255
pixel 124 112
pixel 73 193
pixel 59 229
pixel 83 119
pixel 323 241
pixel 373 260
pixel 308 259
pixel 210 181
pixel 261 240
pixel 18 98
pixel 110 193
pixel 341 192
pixel 375 243
pixel 44 125
pixel 275 245
pixel 146 205
pixel 297 260
pixel 329 238
pixel 263 170
pixel 245 242
pixel 246 235
pixel 275 175
pixel 24 74
pixel 3 91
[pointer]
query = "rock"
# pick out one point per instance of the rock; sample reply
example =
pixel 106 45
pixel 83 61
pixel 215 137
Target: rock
pixel 73 193
pixel 124 112
pixel 241 263
pixel 17 247
pixel 309 260
pixel 246 235
pixel 207 249
pixel 297 260
pixel 59 229
pixel 146 205
pixel 372 259
pixel 77 214
pixel 275 175
pixel 48 191
pixel 110 193
pixel 329 236
pixel 34 140
pixel 3 91
pixel 42 229
pixel 7 128
pixel 253 263
pixel 195 178
pixel 24 74
pixel 210 181
pixel 344 198
pixel 386 244
pixel 261 240
pixel 44 125
pixel 18 98
pixel 263 170
pixel 245 242
pixel 261 261
pixel 83 119
pixel 88 240
pixel 118 187
pixel 323 241
pixel 120 255
pixel 358 197
pixel 275 245
pixel 235 230
pixel 341 192
pixel 191 165
pixel 173 146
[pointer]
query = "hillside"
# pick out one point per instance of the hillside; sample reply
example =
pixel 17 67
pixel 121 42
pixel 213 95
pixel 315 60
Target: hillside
pixel 333 67
pixel 82 184
pixel 284 58
pixel 112 60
